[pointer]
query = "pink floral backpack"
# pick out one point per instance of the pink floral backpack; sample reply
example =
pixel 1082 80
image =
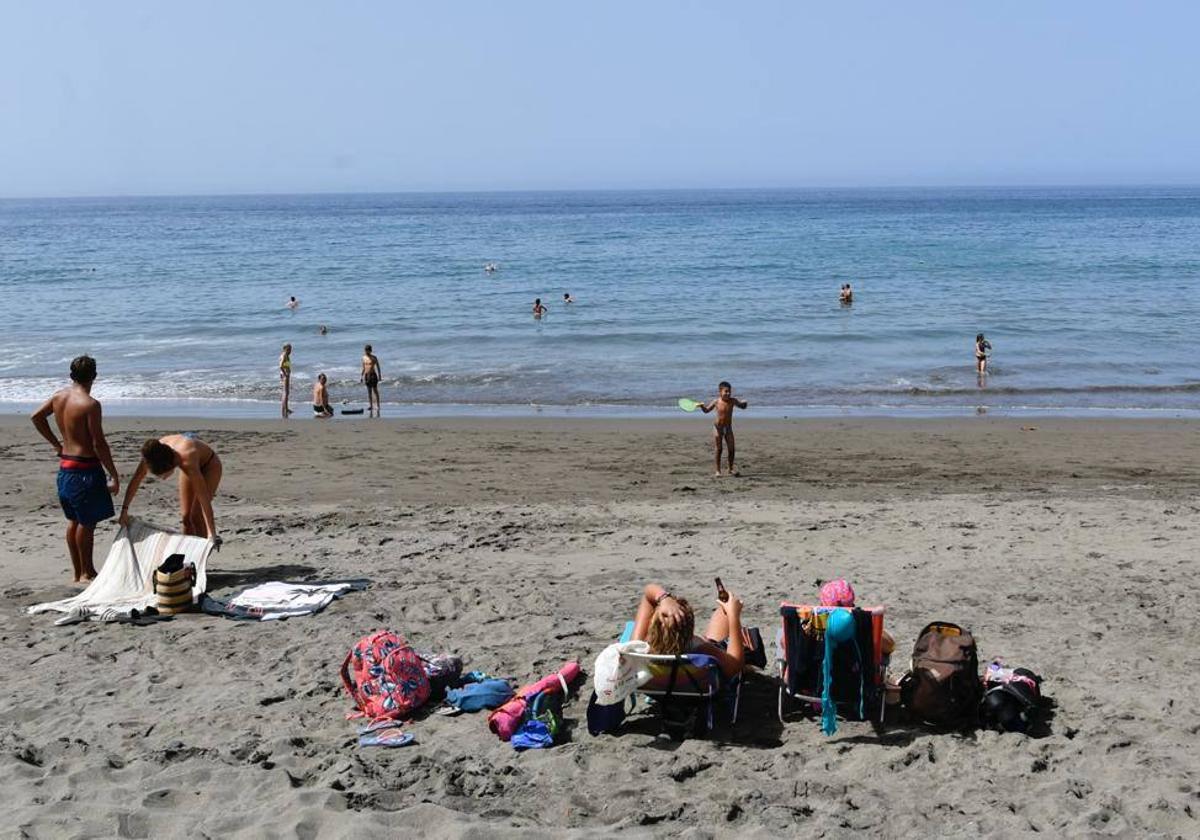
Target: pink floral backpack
pixel 385 677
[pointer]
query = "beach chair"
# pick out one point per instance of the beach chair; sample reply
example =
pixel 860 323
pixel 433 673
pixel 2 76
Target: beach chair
pixel 858 685
pixel 685 689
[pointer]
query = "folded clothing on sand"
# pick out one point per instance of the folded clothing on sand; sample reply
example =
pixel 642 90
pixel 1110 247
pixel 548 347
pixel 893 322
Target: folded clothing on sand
pixel 279 599
pixel 126 580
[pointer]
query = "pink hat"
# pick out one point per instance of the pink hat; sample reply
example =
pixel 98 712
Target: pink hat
pixel 837 593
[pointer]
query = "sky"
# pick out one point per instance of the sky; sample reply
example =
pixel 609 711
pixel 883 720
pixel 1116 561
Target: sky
pixel 215 97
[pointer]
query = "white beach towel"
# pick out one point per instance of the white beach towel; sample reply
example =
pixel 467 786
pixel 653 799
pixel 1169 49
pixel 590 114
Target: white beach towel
pixel 126 580
pixel 283 600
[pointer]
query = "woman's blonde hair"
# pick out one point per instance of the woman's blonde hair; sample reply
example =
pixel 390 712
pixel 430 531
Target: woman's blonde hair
pixel 671 638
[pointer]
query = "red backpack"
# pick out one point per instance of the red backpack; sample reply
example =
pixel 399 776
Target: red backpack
pixel 385 677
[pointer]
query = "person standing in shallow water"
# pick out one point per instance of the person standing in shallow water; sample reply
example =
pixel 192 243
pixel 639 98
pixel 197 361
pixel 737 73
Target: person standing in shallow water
pixel 370 376
pixel 983 349
pixel 82 453
pixel 285 378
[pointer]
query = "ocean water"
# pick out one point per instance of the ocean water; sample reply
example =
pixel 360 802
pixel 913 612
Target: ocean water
pixel 1090 298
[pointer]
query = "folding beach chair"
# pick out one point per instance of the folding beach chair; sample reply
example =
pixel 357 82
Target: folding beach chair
pixel 685 688
pixel 858 670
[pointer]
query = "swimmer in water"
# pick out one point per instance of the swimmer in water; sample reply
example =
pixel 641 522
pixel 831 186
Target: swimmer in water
pixel 292 303
pixel 567 298
pixel 983 349
pixel 538 309
pixel 846 295
pixel 323 330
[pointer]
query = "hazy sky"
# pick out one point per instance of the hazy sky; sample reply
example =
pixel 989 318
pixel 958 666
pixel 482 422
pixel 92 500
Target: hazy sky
pixel 223 97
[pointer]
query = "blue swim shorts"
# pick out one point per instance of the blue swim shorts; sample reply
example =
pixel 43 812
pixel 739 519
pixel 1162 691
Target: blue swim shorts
pixel 83 492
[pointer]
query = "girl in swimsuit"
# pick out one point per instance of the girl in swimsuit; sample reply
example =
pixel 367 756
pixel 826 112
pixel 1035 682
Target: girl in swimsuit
pixel 199 476
pixel 285 377
pixel 982 346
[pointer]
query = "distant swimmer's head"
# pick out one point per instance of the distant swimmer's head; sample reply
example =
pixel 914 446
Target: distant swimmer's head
pixel 159 457
pixel 566 295
pixel 537 301
pixel 724 389
pixel 366 348
pixel 321 378
pixel 979 338
pixel 83 370
pixel 670 637
pixel 287 348
pixel 324 329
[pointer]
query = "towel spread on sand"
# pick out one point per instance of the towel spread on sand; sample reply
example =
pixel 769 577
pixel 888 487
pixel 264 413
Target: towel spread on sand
pixel 279 599
pixel 126 580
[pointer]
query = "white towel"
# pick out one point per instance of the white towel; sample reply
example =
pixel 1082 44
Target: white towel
pixel 126 580
pixel 282 600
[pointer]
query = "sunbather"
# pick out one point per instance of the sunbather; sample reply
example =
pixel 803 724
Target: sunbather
pixel 667 624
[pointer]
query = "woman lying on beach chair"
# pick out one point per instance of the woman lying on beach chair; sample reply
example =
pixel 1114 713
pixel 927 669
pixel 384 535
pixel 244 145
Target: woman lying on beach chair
pixel 667 623
pixel 687 674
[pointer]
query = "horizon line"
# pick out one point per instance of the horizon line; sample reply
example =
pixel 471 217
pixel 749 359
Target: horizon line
pixel 561 190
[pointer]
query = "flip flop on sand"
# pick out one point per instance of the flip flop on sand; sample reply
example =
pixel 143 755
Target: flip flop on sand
pixel 392 736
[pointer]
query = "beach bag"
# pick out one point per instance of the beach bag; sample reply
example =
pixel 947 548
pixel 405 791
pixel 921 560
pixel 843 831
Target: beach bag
pixel 943 687
pixel 1012 698
pixel 384 677
pixel 173 582
pixel 604 718
pixel 543 726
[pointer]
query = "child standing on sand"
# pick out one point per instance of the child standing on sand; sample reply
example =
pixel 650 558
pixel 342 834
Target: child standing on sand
pixel 723 427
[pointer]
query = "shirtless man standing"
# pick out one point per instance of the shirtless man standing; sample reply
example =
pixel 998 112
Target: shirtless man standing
pixel 83 451
pixel 723 428
pixel 371 373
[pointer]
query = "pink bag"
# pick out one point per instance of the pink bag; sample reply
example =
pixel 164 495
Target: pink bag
pixel 507 719
pixel 384 677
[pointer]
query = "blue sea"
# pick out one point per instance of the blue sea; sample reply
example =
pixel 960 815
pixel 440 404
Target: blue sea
pixel 1090 298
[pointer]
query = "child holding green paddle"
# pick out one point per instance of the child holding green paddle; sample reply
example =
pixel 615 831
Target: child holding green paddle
pixel 723 427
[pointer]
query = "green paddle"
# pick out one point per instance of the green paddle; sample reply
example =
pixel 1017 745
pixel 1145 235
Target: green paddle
pixel 688 405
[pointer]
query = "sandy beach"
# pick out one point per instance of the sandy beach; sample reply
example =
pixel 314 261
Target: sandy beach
pixel 1067 546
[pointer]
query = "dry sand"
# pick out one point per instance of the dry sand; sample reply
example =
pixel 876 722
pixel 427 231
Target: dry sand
pixel 1068 548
